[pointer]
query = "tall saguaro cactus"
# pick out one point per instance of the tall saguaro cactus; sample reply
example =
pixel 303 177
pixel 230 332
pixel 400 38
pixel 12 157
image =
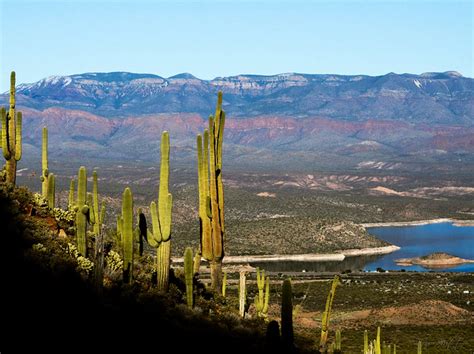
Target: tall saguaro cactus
pixel 44 163
pixel 160 237
pixel 127 235
pixel 211 193
pixel 11 134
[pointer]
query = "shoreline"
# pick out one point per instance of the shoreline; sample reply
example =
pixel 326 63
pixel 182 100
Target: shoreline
pixel 337 256
pixel 455 222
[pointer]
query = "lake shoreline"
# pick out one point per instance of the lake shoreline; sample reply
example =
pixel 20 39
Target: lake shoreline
pixel 337 256
pixel 456 222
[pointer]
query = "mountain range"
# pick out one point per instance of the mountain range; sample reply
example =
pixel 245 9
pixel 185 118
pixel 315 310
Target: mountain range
pixel 291 120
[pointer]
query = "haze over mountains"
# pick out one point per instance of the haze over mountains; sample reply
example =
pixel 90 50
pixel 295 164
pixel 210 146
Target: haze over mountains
pixel 293 120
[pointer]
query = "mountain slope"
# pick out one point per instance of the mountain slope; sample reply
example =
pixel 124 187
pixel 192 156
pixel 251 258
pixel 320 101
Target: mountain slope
pixel 289 120
pixel 445 98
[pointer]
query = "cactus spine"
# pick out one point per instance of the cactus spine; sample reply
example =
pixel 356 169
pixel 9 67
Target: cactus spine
pixel 51 195
pixel 287 335
pixel 211 193
pixel 161 218
pixel 82 211
pixel 327 315
pixel 261 300
pixel 11 134
pixel 127 235
pixel 188 275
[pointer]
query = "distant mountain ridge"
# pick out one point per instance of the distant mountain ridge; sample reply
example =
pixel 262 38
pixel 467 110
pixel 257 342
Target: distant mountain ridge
pixel 444 98
pixel 393 121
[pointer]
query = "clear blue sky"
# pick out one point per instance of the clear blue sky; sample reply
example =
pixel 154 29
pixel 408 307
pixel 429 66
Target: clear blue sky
pixel 221 38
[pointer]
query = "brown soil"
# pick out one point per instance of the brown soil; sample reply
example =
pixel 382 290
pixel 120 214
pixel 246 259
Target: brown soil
pixel 429 312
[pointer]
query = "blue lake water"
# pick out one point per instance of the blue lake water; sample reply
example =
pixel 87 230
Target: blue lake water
pixel 421 240
pixel 414 241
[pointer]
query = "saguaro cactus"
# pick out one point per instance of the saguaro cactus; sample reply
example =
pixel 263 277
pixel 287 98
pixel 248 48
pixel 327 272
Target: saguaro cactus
pixel 326 316
pixel 82 211
pixel 211 193
pixel 51 192
pixel 11 134
pixel 127 235
pixel 242 293
pixel 160 237
pixel 188 275
pixel 287 335
pixel 72 198
pixel 261 300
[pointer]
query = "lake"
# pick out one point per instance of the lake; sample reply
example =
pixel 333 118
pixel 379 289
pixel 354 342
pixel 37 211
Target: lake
pixel 421 240
pixel 414 241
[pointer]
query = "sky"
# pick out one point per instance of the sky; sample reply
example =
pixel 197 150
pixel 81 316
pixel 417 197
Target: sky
pixel 223 38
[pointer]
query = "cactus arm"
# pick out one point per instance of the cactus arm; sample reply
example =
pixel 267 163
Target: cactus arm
pixel 267 297
pixel 51 191
pixel 224 284
pixel 95 204
pixel 5 145
pixel 155 223
pixel 18 148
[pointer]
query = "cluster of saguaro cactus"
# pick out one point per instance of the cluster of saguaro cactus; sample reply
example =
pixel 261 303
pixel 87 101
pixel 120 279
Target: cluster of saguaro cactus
pixel 189 275
pixel 11 134
pixel 376 346
pixel 211 194
pixel 287 335
pixel 263 296
pixel 160 236
pixel 327 315
pixel 127 235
